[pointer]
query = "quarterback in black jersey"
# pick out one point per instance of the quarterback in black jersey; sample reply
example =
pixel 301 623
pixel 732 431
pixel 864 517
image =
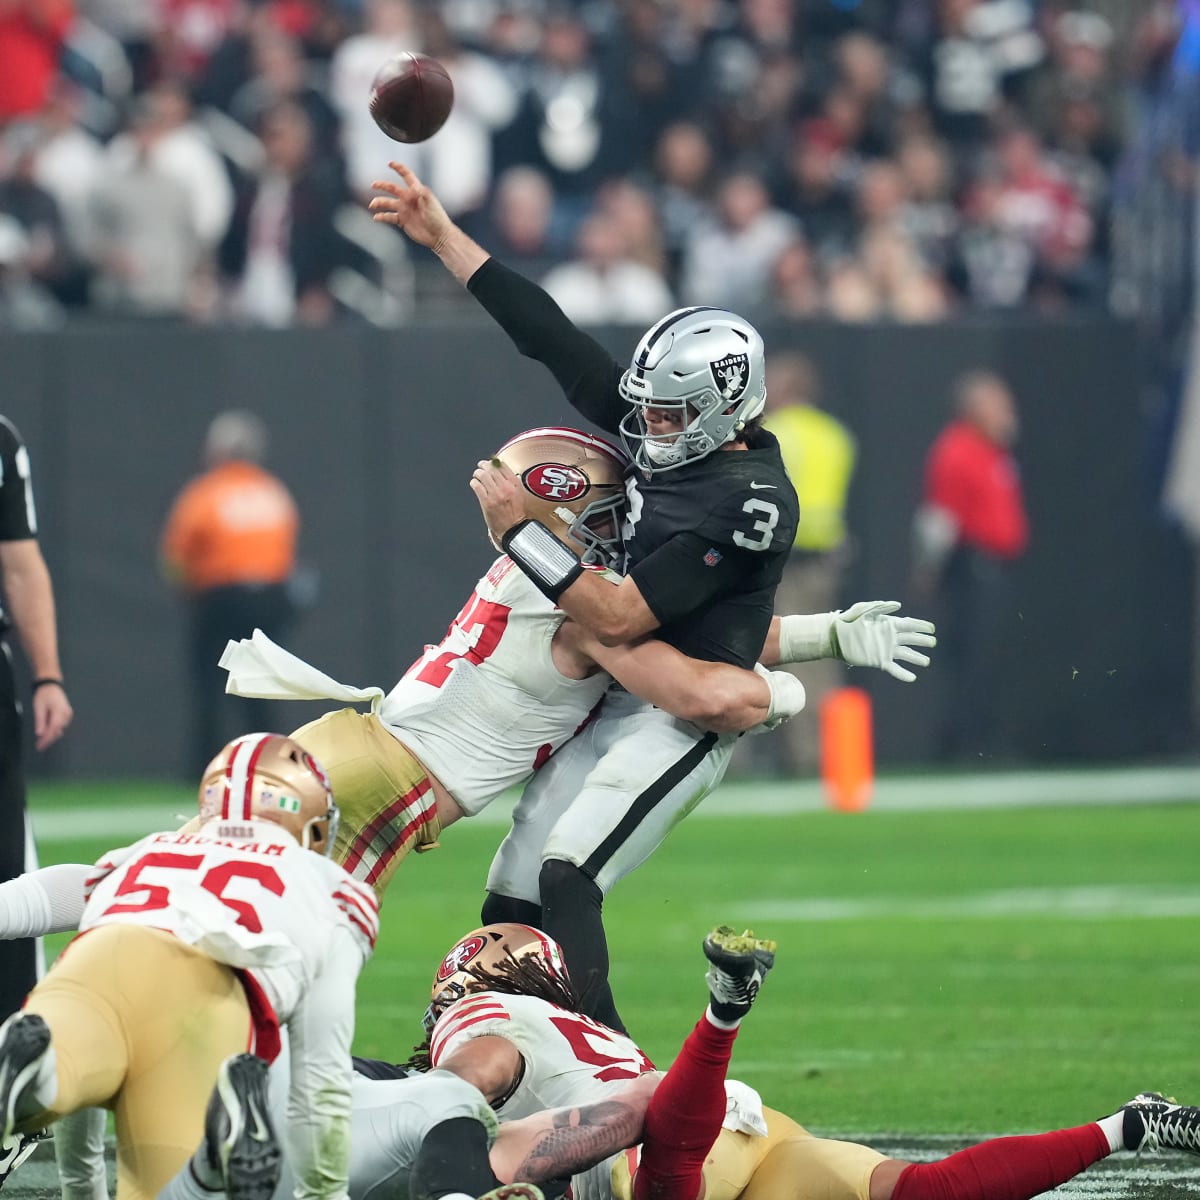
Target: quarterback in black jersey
pixel 711 519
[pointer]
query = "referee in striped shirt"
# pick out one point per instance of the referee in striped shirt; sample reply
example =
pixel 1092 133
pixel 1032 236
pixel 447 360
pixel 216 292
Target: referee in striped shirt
pixel 26 606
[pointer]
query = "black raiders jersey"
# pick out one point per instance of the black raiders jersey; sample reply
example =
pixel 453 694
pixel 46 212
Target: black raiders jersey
pixel 18 519
pixel 706 542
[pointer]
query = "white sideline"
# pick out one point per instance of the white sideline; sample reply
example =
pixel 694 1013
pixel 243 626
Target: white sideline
pixel 768 798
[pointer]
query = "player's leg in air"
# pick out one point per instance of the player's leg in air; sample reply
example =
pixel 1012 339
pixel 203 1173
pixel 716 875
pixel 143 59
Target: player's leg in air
pixel 686 1112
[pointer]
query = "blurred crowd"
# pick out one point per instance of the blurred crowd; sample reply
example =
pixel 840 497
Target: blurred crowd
pixel 904 160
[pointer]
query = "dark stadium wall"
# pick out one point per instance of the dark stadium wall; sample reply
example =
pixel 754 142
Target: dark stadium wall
pixel 377 433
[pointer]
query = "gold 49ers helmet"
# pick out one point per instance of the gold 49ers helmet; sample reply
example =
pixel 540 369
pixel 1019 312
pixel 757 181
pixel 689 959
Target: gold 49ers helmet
pixel 574 484
pixel 269 777
pixel 486 948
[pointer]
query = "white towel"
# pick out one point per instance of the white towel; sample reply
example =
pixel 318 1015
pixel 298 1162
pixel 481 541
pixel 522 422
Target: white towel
pixel 258 667
pixel 743 1109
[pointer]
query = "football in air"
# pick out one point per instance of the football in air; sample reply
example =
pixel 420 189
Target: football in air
pixel 411 97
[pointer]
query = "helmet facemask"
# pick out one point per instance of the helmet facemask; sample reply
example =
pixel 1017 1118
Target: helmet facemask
pixel 268 777
pixel 574 485
pixel 705 367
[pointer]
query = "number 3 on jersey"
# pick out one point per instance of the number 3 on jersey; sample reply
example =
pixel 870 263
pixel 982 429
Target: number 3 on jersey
pixel 762 531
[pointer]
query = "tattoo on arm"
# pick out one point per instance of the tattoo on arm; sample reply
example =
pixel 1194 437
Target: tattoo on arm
pixel 579 1138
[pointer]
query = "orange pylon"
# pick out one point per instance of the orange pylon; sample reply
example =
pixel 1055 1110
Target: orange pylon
pixel 847 749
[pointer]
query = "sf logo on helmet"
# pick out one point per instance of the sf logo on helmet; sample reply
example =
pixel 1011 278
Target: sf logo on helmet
pixel 555 481
pixel 458 958
pixel 732 374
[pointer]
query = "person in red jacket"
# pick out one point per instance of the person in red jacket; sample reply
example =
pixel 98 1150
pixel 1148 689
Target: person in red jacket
pixel 970 528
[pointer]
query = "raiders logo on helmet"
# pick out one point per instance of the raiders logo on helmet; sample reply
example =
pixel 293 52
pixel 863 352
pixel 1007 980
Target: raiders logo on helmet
pixel 458 958
pixel 731 374
pixel 556 481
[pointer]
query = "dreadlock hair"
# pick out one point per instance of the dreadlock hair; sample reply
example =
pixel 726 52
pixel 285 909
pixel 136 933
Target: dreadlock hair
pixel 512 977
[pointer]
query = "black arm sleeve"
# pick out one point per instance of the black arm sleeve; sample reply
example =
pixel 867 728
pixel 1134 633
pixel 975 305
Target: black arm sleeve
pixel 17 519
pixel 677 578
pixel 586 372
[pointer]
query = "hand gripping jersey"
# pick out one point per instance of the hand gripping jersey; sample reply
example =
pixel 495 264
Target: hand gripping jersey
pixel 487 705
pixel 247 895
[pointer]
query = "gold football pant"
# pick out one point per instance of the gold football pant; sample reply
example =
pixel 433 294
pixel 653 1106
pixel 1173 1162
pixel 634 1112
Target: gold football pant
pixel 382 792
pixel 788 1164
pixel 140 1022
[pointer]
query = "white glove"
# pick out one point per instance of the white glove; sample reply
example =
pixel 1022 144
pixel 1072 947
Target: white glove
pixel 787 698
pixel 865 635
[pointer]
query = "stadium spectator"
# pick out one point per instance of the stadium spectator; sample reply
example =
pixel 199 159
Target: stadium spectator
pixel 68 161
pixel 604 285
pixel 796 286
pixel 229 543
pixel 485 100
pixel 632 208
pixel 727 261
pixel 183 151
pixel 147 252
pixel 804 93
pixel 32 34
pixel 48 257
pixel 929 214
pixel 520 219
pixel 24 303
pixel 282 246
pixel 818 187
pixel 969 530
pixel 390 28
pixel 27 609
pixel 280 72
pixel 683 175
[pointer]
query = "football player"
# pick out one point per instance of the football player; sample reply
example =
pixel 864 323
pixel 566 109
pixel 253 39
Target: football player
pixel 501 1022
pixel 194 947
pixel 511 681
pixel 710 522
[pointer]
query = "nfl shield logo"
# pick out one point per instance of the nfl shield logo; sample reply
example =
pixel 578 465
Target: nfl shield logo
pixel 732 374
pixel 712 557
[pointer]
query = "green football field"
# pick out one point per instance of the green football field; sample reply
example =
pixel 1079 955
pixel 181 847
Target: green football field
pixel 967 957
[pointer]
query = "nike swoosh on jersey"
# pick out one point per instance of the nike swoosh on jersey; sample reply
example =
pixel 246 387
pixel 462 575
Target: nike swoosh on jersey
pixel 756 487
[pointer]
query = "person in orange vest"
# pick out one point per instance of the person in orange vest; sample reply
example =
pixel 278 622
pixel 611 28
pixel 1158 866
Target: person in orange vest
pixel 968 532
pixel 230 545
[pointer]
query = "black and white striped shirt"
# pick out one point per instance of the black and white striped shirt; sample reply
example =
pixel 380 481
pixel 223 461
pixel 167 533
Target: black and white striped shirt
pixel 18 517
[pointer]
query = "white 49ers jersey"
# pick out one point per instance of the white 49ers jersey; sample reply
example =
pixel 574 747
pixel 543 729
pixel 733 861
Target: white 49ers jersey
pixel 246 894
pixel 486 706
pixel 569 1060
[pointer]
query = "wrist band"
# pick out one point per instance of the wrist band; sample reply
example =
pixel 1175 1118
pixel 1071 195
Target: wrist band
pixel 551 564
pixel 37 683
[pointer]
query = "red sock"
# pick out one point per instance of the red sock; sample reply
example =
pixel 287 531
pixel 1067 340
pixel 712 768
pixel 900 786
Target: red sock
pixel 1011 1168
pixel 684 1117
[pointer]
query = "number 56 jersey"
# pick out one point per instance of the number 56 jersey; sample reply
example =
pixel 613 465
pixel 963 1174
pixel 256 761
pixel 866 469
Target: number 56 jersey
pixel 246 894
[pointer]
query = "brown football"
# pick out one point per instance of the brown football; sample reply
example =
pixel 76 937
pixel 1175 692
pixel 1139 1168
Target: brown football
pixel 411 97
